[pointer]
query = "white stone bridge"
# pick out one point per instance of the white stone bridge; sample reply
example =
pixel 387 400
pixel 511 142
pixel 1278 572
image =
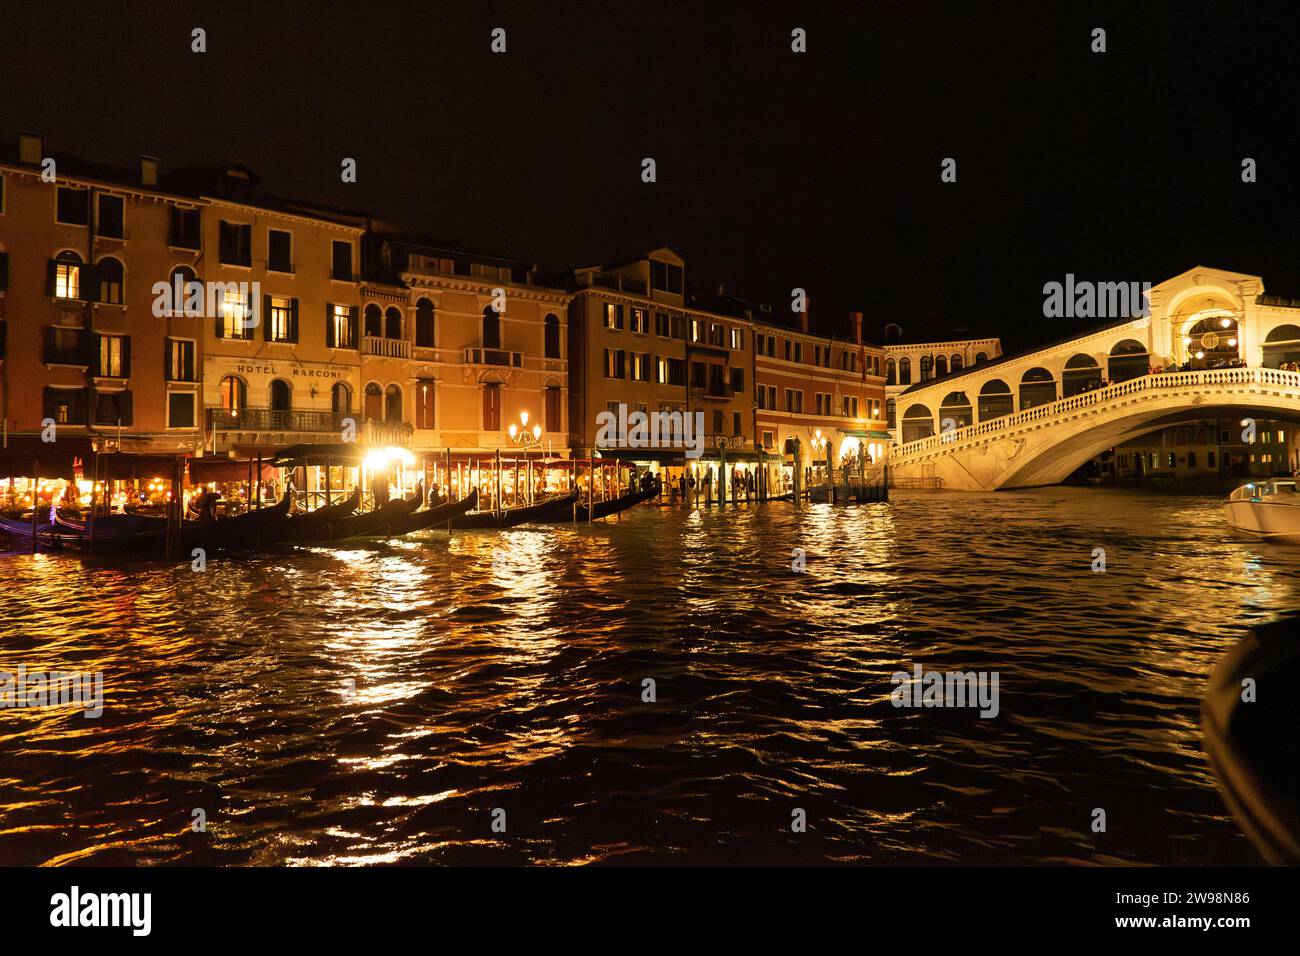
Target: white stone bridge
pixel 1032 419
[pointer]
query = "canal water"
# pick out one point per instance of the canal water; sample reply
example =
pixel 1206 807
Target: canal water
pixel 389 703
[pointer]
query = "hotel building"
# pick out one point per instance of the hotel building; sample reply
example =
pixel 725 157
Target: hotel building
pixel 818 395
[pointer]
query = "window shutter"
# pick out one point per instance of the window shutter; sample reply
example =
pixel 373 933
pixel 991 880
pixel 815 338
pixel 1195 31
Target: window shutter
pixel 89 283
pixel 90 350
pixel 51 270
pixel 329 326
pixel 124 407
pixel 221 328
pixel 126 356
pixel 4 270
pixel 354 313
pixel 293 320
pixel 266 317
pixel 167 360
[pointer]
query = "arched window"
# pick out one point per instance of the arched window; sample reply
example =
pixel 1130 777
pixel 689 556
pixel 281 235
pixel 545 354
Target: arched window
pixel 956 364
pixel 905 371
pixel 918 423
pixel 374 321
pixel 1282 345
pixel 184 287
pixel 941 365
pixel 491 329
pixel 891 410
pixel 424 324
pixel 110 274
pixel 927 367
pixel 1128 359
pixel 891 370
pixel 1037 387
pixel 995 400
pixel 552 336
pixel 341 400
pixel 281 395
pixel 393 403
pixel 234 396
pixel 981 358
pixel 1081 374
pixel 393 323
pixel 374 409
pixel 955 408
pixel 425 391
pixel 65 276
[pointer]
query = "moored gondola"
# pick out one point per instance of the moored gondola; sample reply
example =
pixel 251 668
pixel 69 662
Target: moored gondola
pixel 603 509
pixel 440 514
pixel 510 517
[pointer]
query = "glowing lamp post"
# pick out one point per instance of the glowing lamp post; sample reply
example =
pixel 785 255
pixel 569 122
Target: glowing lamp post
pixel 525 438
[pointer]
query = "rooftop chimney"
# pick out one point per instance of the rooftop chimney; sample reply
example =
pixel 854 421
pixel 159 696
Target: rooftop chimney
pixel 857 327
pixel 149 170
pixel 30 151
pixel 803 316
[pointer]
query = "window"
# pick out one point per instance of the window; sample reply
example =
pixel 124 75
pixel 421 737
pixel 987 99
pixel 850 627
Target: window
pixel 341 259
pixel 905 371
pixel 109 221
pixel 374 409
pixel 341 326
pixel 638 320
pixel 679 326
pixel 666 278
pixel 393 403
pixel 281 395
pixel 769 439
pixel 184 286
pixel 1191 459
pixel 4 271
pixel 492 407
pixel 236 244
pixel 180 360
pixel 551 337
pixel 185 228
pixel 180 409
pixel 613 316
pixel 737 379
pixel 737 340
pixel 491 328
pixel 717 422
pixel 113 408
pixel 554 420
pixel 341 400
pixel 236 314
pixel 234 395
pixel 67 406
pixel 114 356
pixel 615 363
pixel 109 272
pixel 281 319
pixel 392 323
pixel 794 400
pixel 424 395
pixel 2 195
pixel 663 327
pixel 1209 459
pixel 73 206
pixel 279 251
pixel 67 276
pixel 736 428
pixel 374 321
pixel 640 367
pixel 424 324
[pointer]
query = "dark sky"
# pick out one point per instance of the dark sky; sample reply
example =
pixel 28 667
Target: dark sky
pixel 775 170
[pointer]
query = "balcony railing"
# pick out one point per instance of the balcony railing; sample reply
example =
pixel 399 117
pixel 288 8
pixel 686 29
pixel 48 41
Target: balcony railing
pixel 389 348
pixel 274 420
pixel 717 393
pixel 499 357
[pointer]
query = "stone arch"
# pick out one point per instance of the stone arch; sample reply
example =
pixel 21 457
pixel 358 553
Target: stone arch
pixel 918 423
pixel 1128 359
pixel 1282 345
pixel 1081 374
pixel 1037 387
pixel 995 400
pixel 955 406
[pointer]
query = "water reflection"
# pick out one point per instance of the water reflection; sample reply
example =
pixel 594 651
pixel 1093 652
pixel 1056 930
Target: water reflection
pixel 375 704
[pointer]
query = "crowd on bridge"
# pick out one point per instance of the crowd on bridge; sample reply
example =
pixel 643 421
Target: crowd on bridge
pixel 1193 365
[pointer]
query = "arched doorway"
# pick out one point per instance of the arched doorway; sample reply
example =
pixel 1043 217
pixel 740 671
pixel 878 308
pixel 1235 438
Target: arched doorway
pixel 234 395
pixel 374 321
pixel 393 403
pixel 374 409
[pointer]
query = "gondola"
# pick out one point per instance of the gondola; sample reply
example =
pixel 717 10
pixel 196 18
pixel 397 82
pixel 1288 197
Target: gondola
pixel 391 518
pixel 249 530
pixel 307 523
pixel 1250 744
pixel 510 517
pixel 441 514
pixel 603 509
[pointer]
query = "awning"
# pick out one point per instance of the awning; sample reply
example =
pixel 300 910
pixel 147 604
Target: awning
pixel 870 435
pixel 214 468
pixel 662 456
pixel 124 467
pixel 20 455
pixel 338 453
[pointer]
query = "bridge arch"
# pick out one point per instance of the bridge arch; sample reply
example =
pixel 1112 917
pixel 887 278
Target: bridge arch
pixel 1037 387
pixel 955 406
pixel 918 423
pixel 1128 359
pixel 1081 374
pixel 995 400
pixel 1282 345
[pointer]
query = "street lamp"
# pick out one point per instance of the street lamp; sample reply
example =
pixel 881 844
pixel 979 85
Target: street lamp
pixel 525 438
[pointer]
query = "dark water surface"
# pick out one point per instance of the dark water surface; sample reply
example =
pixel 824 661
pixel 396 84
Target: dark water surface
pixel 504 670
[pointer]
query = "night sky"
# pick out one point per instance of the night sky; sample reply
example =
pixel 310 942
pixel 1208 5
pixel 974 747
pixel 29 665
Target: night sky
pixel 775 169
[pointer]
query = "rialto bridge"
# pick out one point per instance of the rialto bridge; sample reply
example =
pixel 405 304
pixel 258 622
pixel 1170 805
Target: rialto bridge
pixel 1213 345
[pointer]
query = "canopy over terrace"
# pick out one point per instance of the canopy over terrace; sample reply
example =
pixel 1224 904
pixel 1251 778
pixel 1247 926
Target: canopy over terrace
pixel 21 456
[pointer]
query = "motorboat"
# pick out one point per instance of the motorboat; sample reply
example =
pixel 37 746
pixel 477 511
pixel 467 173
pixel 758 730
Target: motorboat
pixel 1266 509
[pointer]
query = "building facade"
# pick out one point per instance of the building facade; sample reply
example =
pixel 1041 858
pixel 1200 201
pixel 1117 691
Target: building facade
pixel 910 363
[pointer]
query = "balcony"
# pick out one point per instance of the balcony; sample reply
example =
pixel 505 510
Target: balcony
pixel 711 393
pixel 495 357
pixel 275 420
pixel 388 348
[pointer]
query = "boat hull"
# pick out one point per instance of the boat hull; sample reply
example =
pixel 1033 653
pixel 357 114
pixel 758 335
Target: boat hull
pixel 1265 519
